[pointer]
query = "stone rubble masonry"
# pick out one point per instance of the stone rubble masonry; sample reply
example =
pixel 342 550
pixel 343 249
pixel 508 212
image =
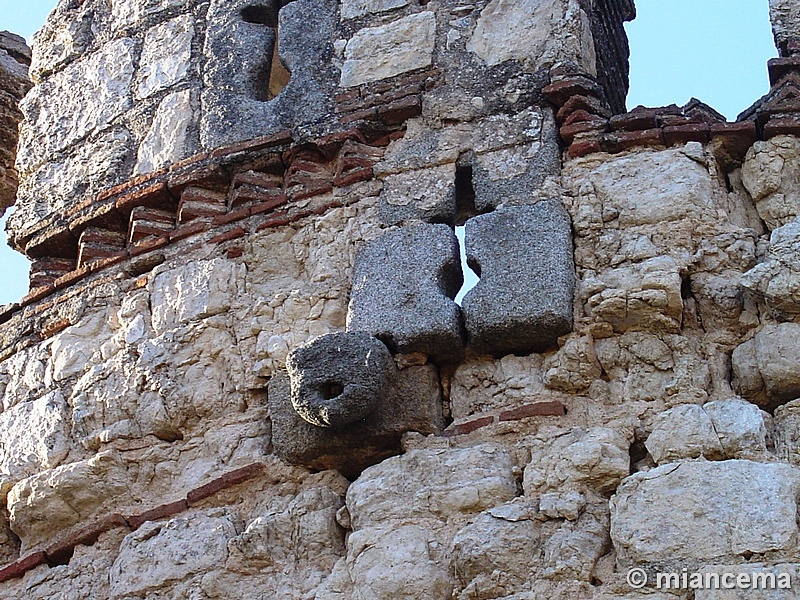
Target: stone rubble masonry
pixel 210 191
pixel 15 58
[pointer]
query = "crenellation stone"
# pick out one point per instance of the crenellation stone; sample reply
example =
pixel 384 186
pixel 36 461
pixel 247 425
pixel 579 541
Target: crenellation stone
pixel 523 256
pixel 403 288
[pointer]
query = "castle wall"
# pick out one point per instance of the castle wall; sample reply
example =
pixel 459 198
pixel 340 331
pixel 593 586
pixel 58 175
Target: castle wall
pixel 618 391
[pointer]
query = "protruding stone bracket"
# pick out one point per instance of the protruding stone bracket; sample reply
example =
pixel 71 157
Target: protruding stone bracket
pixel 523 301
pixel 340 378
pixel 403 288
pixel 345 405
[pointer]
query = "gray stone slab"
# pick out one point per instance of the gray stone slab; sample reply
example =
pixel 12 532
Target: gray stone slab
pixel 427 195
pixel 523 301
pixel 403 285
pixel 410 402
pixel 339 378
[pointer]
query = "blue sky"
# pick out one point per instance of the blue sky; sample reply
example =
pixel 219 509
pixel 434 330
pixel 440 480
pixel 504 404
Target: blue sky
pixel 713 50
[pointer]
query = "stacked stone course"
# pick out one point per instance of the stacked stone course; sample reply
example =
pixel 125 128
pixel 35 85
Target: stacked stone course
pixel 240 371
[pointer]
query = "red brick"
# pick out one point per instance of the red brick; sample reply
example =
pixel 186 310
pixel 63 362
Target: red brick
pixel 537 409
pixel 468 427
pixel 584 148
pixel 154 196
pixel 269 205
pixel 570 132
pixel 233 234
pixel 147 245
pixel 103 263
pixel 276 220
pixel 54 328
pixel 61 551
pixel 234 252
pixel 160 512
pixel 346 96
pixel 310 188
pixel 782 126
pixel 210 177
pixel 354 176
pixel 20 567
pixel 681 134
pixel 585 103
pixel 70 278
pixel 227 480
pixel 231 217
pixel 270 141
pixel 559 92
pixel 196 158
pixel 400 111
pixel 259 179
pixel 37 294
pixel 624 140
pixel 191 210
pixel 582 115
pixel 367 114
pixel 248 194
pixel 780 67
pixel 188 230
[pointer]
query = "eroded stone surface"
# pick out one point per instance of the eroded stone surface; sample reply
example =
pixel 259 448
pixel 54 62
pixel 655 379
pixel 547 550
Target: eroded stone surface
pixel 380 52
pixel 523 301
pixel 769 174
pixel 711 509
pixel 403 285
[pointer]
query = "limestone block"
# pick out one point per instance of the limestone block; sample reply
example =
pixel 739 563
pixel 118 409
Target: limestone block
pixel 425 483
pixel 83 98
pixel 376 53
pixel 710 509
pixel 51 502
pixel 683 432
pixel 765 367
pixel 770 173
pixel 523 301
pixel 594 460
pixel 352 9
pixel 485 384
pixel 572 552
pixel 23 376
pixel 412 403
pixel 777 279
pixel 388 563
pixel 167 140
pixel 740 426
pixel 427 195
pixel 493 544
pixel 63 38
pixel 646 295
pixel 194 291
pixel 34 437
pixel 534 33
pixel 763 582
pixel 53 186
pixel 78 346
pixel 403 286
pixel 569 505
pixel 166 56
pixel 160 553
pixel 574 367
pixel 340 378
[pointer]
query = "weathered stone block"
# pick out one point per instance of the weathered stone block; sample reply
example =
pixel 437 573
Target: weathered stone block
pixel 770 173
pixel 376 53
pixel 167 141
pixel 352 9
pixel 339 378
pixel 534 33
pixel 403 285
pixel 166 56
pixel 426 194
pixel 760 582
pixel 411 402
pixel 765 367
pixel 685 431
pixel 523 301
pixel 709 510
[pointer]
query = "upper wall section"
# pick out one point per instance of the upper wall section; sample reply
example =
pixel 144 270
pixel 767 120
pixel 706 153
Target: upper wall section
pixel 14 60
pixel 129 87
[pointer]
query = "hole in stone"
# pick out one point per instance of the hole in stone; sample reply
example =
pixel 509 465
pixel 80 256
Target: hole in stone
pixel 279 75
pixel 638 452
pixel 261 15
pixel 471 275
pixel 331 390
pixel 686 288
pixel 465 192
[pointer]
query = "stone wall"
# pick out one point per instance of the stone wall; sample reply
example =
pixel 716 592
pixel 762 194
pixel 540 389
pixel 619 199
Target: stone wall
pixel 14 60
pixel 241 372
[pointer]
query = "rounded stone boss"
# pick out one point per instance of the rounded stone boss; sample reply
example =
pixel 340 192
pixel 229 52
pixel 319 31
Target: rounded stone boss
pixel 339 378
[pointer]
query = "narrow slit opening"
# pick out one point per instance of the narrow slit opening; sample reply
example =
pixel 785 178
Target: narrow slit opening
pixel 471 276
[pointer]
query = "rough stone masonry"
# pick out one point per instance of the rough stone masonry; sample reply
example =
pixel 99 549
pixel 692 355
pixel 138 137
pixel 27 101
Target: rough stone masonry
pixel 241 373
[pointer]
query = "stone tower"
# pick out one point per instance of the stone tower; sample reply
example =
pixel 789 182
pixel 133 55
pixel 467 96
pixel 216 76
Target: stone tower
pixel 240 371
